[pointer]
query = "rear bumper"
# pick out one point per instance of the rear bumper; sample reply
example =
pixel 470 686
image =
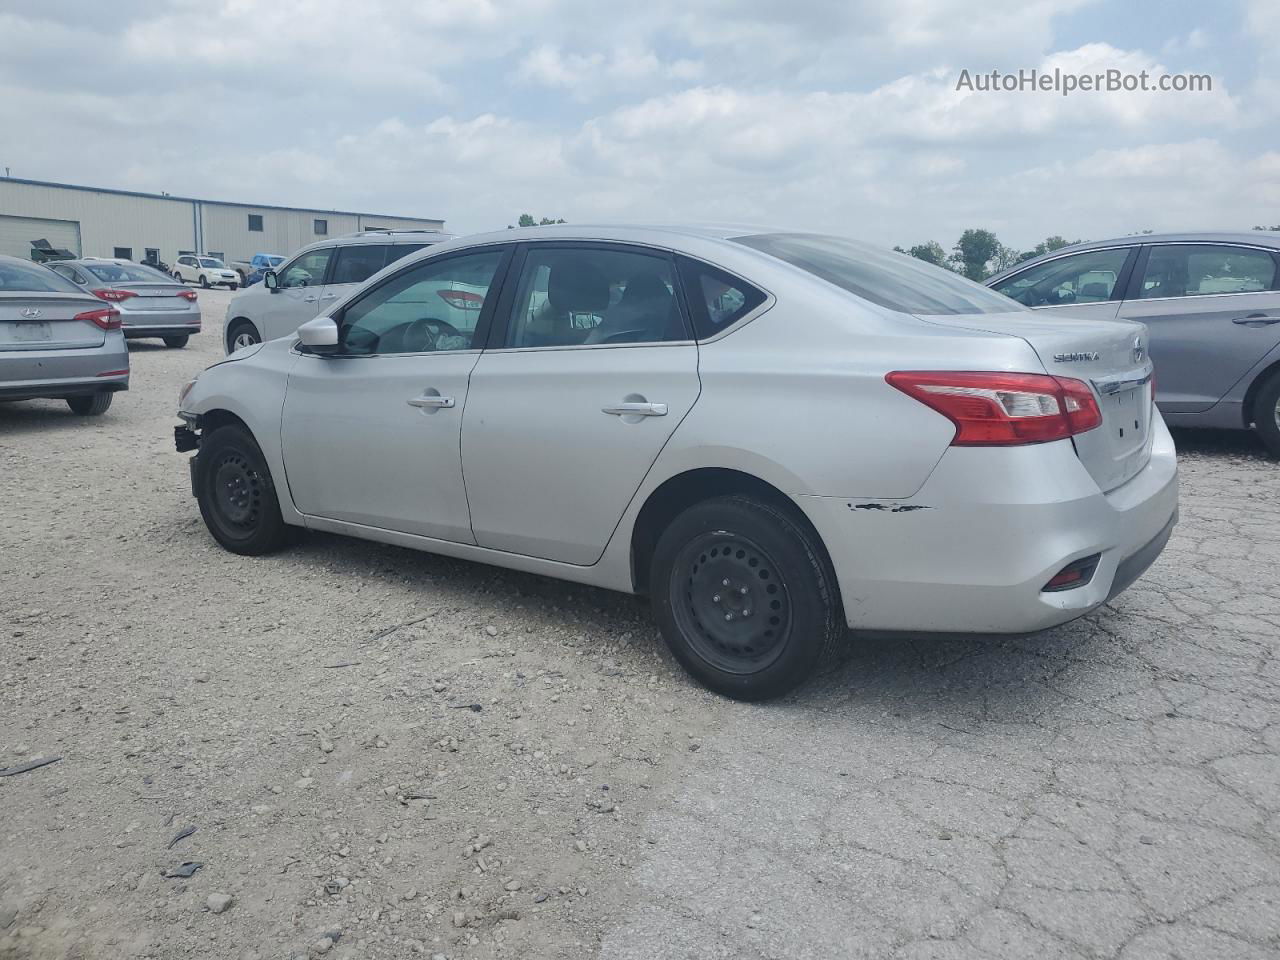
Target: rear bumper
pixel 33 374
pixel 134 330
pixel 973 550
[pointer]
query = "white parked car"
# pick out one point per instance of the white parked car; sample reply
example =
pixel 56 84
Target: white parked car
pixel 315 277
pixel 206 271
pixel 774 436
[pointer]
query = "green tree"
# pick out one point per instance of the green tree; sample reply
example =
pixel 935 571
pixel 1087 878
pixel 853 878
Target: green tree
pixel 930 252
pixel 973 251
pixel 1276 227
pixel 526 220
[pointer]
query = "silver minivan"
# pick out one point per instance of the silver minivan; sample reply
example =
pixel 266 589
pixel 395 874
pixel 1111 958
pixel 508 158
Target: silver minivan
pixel 315 277
pixel 1210 300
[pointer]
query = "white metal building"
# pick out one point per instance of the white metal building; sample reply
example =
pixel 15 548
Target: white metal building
pixel 100 222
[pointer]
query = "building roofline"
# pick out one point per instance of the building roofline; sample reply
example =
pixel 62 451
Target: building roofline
pixel 214 203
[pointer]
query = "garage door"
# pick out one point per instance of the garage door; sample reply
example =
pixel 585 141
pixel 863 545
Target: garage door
pixel 16 234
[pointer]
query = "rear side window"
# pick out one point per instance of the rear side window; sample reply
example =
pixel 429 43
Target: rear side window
pixel 16 276
pixel 1088 277
pixel 398 251
pixel 716 299
pixel 891 280
pixel 1202 270
pixel 357 263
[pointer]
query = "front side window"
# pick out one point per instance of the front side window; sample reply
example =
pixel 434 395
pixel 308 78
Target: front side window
pixel 307 270
pixel 1201 270
pixel 1088 277
pixel 717 300
pixel 576 296
pixel 431 307
pixel 892 280
pixel 357 263
pixel 255 223
pixel 398 251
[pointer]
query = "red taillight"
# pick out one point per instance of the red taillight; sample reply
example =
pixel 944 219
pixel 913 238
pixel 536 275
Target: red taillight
pixel 462 299
pixel 107 319
pixel 1003 409
pixel 187 295
pixel 113 296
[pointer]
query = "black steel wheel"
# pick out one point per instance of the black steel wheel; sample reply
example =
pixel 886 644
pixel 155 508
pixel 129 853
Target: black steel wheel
pixel 236 495
pixel 745 596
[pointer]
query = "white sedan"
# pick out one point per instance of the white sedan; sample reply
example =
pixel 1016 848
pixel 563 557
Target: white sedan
pixel 774 436
pixel 206 271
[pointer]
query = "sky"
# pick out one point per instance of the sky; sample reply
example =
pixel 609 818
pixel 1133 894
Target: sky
pixel 831 115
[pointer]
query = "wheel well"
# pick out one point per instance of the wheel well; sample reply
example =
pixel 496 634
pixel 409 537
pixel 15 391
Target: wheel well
pixel 220 418
pixel 231 325
pixel 682 491
pixel 1251 395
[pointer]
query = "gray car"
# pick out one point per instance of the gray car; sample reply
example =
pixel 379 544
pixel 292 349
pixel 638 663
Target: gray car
pixel 150 303
pixel 1210 300
pixel 56 341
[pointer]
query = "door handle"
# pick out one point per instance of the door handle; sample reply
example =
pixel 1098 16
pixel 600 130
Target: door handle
pixel 431 402
pixel 637 410
pixel 1256 320
pixel 330 296
pixel 310 299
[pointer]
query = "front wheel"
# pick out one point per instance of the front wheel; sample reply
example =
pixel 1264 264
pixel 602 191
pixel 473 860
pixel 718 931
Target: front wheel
pixel 176 342
pixel 204 281
pixel 233 286
pixel 241 334
pixel 745 597
pixel 1266 414
pixel 92 406
pixel 237 497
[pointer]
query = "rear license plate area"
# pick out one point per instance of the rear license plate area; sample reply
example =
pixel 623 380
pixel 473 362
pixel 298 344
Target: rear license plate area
pixel 32 332
pixel 1127 410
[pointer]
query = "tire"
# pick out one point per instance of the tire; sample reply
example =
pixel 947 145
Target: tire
pixel 92 406
pixel 1266 414
pixel 233 286
pixel 236 494
pixel 177 343
pixel 778 573
pixel 244 331
pixel 204 281
pixel 178 276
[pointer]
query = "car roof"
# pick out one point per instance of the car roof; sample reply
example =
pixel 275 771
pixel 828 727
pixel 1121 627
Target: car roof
pixel 1252 238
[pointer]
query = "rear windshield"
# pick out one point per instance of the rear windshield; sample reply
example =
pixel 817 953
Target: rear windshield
pixel 18 276
pixel 893 280
pixel 126 273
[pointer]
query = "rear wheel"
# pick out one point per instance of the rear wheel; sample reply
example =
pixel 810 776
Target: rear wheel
pixel 242 333
pixel 236 495
pixel 1266 413
pixel 176 342
pixel 745 597
pixel 91 406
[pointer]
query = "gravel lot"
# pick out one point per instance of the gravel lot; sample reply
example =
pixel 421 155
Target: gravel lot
pixel 388 754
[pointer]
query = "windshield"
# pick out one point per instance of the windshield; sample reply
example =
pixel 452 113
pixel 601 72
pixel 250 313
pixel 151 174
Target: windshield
pixel 18 276
pixel 893 280
pixel 126 273
pixel 210 262
pixel 275 261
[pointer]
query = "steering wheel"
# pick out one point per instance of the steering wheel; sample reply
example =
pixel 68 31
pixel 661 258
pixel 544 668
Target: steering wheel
pixel 419 330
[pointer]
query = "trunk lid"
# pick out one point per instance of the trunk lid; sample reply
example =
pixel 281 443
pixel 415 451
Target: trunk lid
pixel 154 296
pixel 1109 355
pixel 46 321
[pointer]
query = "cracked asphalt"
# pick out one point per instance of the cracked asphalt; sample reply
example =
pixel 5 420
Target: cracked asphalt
pixel 1109 789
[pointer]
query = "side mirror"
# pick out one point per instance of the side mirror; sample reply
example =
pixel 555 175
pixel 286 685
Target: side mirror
pixel 271 281
pixel 319 335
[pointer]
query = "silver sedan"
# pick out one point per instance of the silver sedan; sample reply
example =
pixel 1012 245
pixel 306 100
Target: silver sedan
pixel 774 436
pixel 150 303
pixel 56 341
